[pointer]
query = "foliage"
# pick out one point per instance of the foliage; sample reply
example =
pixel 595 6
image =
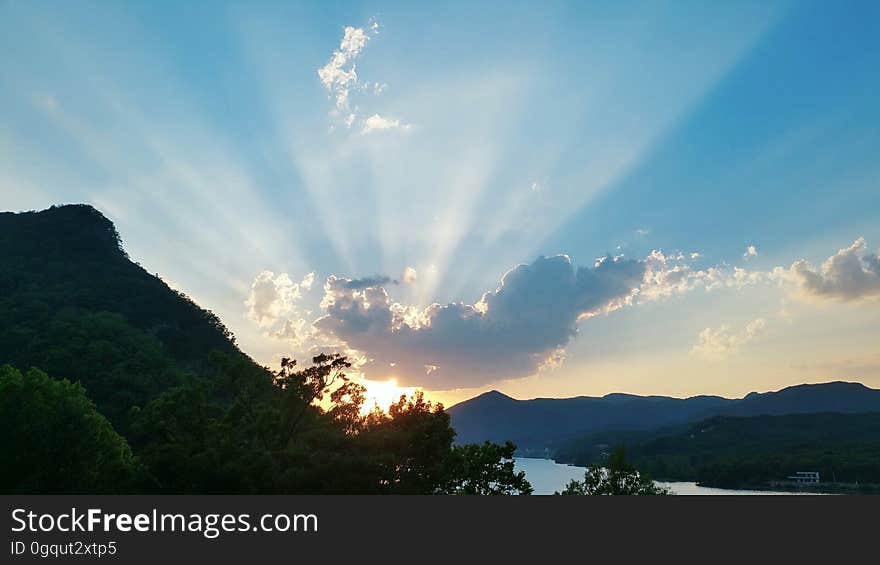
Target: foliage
pixel 484 469
pixel 617 477
pixel 53 440
pixel 239 433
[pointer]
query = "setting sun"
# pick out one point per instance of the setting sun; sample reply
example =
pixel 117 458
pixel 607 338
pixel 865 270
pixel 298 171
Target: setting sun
pixel 383 394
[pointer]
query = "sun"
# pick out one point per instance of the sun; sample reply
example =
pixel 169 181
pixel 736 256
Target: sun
pixel 383 394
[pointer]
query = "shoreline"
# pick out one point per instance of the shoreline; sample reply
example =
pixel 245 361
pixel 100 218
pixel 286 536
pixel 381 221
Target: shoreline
pixel 769 489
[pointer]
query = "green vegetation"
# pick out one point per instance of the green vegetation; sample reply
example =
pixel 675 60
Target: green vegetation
pixel 157 398
pixel 616 477
pixel 53 440
pixel 753 452
pixel 74 305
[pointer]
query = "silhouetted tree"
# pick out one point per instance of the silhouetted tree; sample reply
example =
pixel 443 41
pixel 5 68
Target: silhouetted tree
pixel 618 477
pixel 484 469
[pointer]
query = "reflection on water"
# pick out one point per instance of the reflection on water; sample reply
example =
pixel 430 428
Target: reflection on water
pixel 548 476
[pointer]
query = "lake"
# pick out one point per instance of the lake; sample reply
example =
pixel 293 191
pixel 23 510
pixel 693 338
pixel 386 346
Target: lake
pixel 548 476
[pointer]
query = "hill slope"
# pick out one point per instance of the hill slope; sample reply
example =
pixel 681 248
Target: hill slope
pixel 750 451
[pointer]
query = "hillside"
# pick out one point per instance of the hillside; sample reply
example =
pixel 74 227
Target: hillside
pixel 750 451
pixel 548 422
pixel 73 304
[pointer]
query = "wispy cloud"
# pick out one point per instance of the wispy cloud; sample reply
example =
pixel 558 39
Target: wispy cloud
pixel 339 76
pixel 379 123
pixel 720 343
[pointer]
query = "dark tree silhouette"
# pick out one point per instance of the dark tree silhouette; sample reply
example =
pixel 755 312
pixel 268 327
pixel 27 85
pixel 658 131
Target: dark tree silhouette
pixel 617 477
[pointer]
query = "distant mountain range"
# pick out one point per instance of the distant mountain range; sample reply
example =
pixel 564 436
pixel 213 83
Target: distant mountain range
pixel 542 423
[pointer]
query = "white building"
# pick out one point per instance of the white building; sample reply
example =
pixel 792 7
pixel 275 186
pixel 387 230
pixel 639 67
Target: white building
pixel 805 477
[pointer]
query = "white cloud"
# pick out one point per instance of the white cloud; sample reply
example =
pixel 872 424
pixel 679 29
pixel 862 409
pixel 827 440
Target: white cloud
pixel 272 304
pixel 721 342
pixel 851 274
pixel 271 297
pixel 379 123
pixel 339 75
pixel 297 331
pixel 409 276
pixel 671 275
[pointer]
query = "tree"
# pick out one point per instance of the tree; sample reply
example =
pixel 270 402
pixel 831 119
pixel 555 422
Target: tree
pixel 53 440
pixel 409 450
pixel 484 469
pixel 618 477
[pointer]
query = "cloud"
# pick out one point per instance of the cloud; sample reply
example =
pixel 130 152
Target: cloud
pixel 409 276
pixel 851 274
pixel 307 281
pixel 751 251
pixel 524 326
pixel 366 282
pixel 510 332
pixel 671 275
pixel 339 75
pixel 295 330
pixel 272 298
pixel 379 123
pixel 721 342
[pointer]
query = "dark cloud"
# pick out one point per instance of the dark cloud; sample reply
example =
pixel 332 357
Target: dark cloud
pixel 367 282
pixel 509 333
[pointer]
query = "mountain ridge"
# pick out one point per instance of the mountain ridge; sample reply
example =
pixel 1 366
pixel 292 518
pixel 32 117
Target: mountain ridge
pixel 542 423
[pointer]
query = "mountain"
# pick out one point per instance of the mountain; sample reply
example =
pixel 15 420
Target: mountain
pixel 73 304
pixel 835 396
pixel 548 422
pixel 544 422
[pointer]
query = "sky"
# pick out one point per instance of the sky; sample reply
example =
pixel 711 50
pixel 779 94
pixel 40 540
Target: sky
pixel 548 199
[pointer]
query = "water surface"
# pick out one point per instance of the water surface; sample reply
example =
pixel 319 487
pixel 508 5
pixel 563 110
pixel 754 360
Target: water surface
pixel 548 476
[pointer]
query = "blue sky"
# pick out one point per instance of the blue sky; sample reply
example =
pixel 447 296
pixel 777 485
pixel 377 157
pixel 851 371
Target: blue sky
pixel 448 144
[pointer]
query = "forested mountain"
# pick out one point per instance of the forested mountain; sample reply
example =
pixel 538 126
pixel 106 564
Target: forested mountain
pixel 753 451
pixel 110 381
pixel 73 304
pixel 548 422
